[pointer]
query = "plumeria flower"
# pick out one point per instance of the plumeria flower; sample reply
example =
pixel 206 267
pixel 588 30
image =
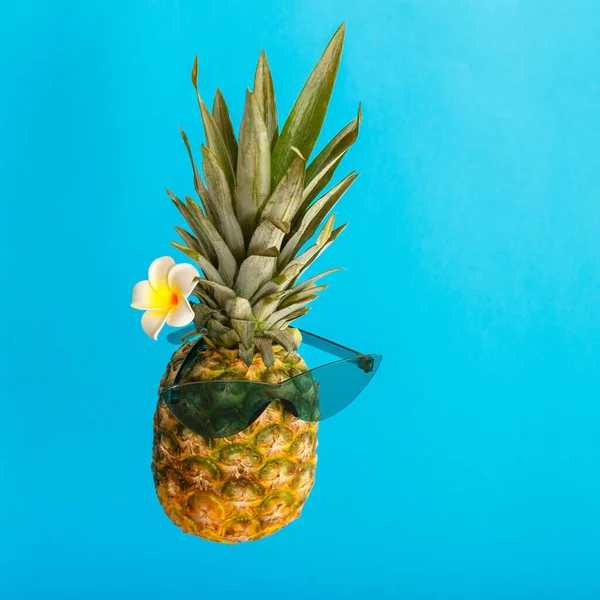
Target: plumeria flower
pixel 164 295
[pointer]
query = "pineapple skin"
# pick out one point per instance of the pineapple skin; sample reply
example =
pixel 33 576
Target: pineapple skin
pixel 245 486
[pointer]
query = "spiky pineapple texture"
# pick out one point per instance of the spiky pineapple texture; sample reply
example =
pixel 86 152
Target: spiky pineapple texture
pixel 259 205
pixel 245 486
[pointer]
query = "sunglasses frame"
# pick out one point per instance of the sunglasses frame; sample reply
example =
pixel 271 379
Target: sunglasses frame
pixel 170 394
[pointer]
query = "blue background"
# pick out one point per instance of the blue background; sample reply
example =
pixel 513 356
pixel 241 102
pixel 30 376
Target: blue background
pixel 469 469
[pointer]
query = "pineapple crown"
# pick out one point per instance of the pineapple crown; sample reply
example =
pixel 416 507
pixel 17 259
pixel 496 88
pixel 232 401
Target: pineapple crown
pixel 259 204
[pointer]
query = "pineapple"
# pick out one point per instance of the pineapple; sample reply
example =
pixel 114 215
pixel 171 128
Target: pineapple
pixel 259 204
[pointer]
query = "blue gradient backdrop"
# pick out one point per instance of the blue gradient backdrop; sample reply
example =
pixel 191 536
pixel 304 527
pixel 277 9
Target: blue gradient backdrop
pixel 470 467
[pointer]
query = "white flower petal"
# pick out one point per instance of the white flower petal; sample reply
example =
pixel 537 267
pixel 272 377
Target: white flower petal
pixel 181 315
pixel 153 321
pixel 158 275
pixel 145 297
pixel 180 279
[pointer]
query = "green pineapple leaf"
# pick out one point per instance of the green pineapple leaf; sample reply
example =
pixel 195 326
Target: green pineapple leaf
pixel 291 271
pixel 309 259
pixel 222 204
pixel 277 284
pixel 239 308
pixel 285 313
pixel 284 226
pixel 214 138
pixel 188 238
pixel 198 183
pixel 271 251
pixel 267 305
pixel 253 166
pixel 287 196
pixel 284 338
pixel 221 293
pixel 265 96
pixel 201 260
pixel 294 270
pixel 227 263
pixel 228 340
pixel 312 219
pixel 265 347
pixel 254 272
pixel 336 147
pixel 325 232
pixel 264 291
pixel 246 354
pixel 216 329
pixel 201 315
pixel 205 298
pixel 304 123
pixel 186 212
pixel 285 321
pixel 308 282
pixel 245 331
pixel 221 116
pixel 300 296
pixel 319 182
pixel 266 237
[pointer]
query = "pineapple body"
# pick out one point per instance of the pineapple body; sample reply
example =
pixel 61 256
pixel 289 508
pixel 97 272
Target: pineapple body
pixel 245 486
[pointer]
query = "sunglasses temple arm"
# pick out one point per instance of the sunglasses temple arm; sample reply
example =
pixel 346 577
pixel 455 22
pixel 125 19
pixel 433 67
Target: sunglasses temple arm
pixel 320 343
pixel 310 339
pixel 175 336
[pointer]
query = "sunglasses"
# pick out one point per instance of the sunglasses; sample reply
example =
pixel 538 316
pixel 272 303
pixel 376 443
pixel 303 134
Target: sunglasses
pixel 221 408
